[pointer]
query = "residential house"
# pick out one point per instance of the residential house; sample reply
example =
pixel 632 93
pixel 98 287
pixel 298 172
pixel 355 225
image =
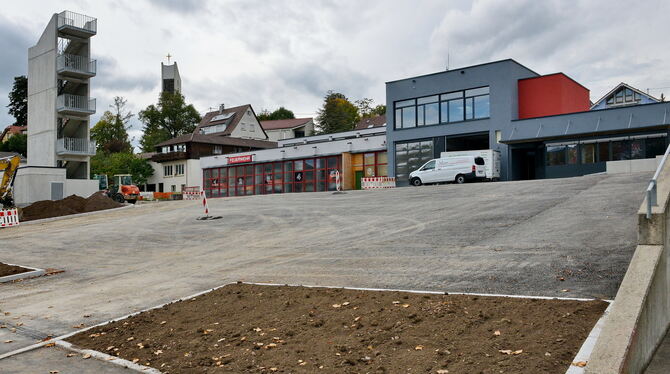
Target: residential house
pixel 623 95
pixel 288 128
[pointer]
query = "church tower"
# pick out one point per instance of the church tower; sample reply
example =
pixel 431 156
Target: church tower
pixel 170 79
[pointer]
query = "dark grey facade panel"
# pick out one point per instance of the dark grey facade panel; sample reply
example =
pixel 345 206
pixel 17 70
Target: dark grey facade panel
pixel 501 77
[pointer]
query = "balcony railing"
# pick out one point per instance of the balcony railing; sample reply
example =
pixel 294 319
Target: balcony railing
pixel 67 19
pixel 75 103
pixel 75 146
pixel 76 64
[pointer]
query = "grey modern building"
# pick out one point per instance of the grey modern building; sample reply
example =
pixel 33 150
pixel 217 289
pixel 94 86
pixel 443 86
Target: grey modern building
pixel 541 124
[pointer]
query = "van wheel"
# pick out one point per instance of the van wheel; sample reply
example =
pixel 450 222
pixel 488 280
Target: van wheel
pixel 460 179
pixel 415 182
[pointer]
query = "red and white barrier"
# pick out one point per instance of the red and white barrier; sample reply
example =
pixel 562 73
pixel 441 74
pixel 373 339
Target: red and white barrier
pixel 377 182
pixel 9 217
pixel 204 202
pixel 191 193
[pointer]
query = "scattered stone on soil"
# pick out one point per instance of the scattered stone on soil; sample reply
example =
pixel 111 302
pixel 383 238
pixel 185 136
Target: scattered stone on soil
pixel 70 205
pixel 245 328
pixel 6 270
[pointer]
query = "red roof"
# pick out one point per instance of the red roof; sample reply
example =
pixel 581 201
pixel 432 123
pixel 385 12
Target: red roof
pixel 284 123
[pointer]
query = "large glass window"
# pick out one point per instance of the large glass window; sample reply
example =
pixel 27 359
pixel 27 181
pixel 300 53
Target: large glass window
pixel 428 110
pixel 636 148
pixel 408 117
pixel 482 106
pixel 588 153
pixel 410 157
pixel 654 147
pixel 405 114
pixel 456 110
pixel 312 174
pixel 620 150
pixel 572 153
pixel 444 108
pixel 556 155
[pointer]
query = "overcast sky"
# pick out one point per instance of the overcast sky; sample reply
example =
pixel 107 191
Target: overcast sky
pixel 289 53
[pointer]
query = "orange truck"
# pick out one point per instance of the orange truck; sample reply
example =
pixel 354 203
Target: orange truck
pixel 121 190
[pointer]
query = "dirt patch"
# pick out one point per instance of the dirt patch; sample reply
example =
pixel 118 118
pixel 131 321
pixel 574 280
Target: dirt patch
pixel 264 329
pixel 70 205
pixel 6 270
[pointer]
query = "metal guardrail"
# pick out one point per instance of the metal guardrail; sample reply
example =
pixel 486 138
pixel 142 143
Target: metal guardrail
pixel 76 63
pixel 80 21
pixel 652 196
pixel 75 102
pixel 80 146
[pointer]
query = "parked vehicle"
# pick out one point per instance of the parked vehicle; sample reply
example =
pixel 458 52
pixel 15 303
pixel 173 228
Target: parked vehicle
pixel 491 160
pixel 451 169
pixel 121 190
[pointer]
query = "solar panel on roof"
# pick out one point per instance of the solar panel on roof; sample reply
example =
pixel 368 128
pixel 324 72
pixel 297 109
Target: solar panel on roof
pixel 221 117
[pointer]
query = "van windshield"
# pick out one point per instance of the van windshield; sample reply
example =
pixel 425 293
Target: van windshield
pixel 429 166
pixel 479 161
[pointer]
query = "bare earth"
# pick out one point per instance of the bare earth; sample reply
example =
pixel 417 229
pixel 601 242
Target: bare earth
pixel 244 328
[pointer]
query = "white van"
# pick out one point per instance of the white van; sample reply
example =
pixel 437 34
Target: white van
pixel 491 160
pixel 451 169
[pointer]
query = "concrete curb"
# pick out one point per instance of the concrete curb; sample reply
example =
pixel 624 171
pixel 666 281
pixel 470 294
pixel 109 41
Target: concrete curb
pixel 60 340
pixel 45 220
pixel 585 351
pixel 28 274
pixel 108 358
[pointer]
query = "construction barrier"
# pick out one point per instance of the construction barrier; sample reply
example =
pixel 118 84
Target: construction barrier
pixel 377 182
pixel 9 217
pixel 163 195
pixel 191 193
pixel 146 196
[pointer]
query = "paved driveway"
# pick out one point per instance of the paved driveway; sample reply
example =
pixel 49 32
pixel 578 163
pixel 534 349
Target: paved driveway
pixel 504 238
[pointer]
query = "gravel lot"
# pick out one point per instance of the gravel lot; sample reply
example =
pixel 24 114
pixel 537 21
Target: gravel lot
pixel 503 238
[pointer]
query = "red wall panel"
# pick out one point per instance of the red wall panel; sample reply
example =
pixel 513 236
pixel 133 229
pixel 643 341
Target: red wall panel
pixel 550 95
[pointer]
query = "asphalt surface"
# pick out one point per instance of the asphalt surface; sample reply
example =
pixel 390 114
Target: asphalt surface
pixel 504 238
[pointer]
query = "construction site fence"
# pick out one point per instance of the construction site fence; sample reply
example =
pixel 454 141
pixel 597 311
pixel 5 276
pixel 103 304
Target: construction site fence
pixel 373 183
pixel 9 217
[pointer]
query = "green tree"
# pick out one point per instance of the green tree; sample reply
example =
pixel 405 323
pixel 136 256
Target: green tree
pixel 18 101
pixel 168 119
pixel 366 108
pixel 16 143
pixel 281 113
pixel 111 131
pixel 121 163
pixel 337 114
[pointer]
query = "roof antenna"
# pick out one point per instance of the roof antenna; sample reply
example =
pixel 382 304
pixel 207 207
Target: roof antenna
pixel 447 59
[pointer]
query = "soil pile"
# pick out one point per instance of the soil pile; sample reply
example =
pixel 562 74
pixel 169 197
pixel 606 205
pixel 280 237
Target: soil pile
pixel 70 205
pixel 99 201
pixel 270 329
pixel 6 270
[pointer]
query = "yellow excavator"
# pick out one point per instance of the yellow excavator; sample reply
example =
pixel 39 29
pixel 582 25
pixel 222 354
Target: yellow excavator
pixel 8 165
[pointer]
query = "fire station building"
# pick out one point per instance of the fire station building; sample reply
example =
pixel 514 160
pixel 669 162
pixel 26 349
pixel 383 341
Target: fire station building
pixel 307 164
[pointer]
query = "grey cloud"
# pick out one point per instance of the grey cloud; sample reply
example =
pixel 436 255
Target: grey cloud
pixel 14 45
pixel 179 6
pixel 597 43
pixel 112 78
